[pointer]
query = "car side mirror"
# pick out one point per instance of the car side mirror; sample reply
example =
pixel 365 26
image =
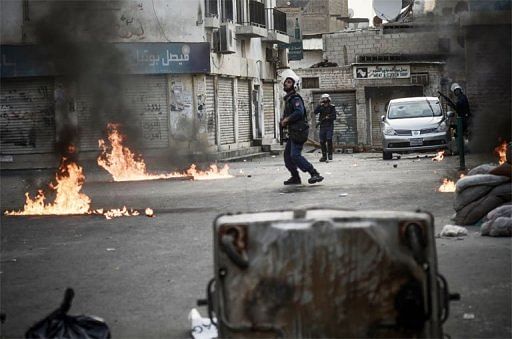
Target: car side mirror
pixel 450 114
pixel 382 118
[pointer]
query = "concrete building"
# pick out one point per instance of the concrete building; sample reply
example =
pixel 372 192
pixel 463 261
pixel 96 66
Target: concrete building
pixel 179 75
pixel 464 42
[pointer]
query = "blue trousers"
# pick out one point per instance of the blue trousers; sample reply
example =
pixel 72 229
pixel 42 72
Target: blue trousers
pixel 326 133
pixel 293 159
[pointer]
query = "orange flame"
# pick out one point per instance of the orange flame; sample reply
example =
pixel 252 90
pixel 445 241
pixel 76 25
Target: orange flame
pixel 124 165
pixel 439 156
pixel 68 198
pixel 447 186
pixel 501 152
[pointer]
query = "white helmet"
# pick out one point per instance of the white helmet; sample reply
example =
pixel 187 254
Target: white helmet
pixel 288 73
pixel 325 96
pixel 455 86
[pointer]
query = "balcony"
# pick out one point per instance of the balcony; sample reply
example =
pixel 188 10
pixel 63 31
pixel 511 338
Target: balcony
pixel 252 25
pixel 276 23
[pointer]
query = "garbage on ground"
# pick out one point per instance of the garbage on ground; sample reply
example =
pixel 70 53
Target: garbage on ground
pixel 468 316
pixel 498 222
pixel 342 194
pixel 60 325
pixel 201 328
pixel 478 194
pixel 453 231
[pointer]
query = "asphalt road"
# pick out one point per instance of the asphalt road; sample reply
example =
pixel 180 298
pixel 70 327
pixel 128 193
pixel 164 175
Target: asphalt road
pixel 143 275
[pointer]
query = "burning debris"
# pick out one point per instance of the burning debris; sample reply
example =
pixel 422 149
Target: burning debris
pixel 439 156
pixel 124 165
pixel 68 198
pixel 501 152
pixel 447 186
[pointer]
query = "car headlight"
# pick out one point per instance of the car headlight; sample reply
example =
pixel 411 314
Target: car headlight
pixel 443 127
pixel 388 130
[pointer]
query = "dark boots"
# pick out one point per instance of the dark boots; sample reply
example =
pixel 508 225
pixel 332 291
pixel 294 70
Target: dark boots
pixel 315 177
pixel 324 152
pixel 293 181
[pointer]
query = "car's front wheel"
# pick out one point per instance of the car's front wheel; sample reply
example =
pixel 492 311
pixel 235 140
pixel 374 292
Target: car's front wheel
pixel 387 155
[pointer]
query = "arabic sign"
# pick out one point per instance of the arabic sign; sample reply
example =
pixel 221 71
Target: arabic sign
pixel 141 58
pixel 295 50
pixel 382 71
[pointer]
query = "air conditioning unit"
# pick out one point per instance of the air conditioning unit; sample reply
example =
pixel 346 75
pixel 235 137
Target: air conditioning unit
pixel 224 39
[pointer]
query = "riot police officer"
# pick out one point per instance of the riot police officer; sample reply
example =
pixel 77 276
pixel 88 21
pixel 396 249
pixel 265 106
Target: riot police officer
pixel 327 116
pixel 295 120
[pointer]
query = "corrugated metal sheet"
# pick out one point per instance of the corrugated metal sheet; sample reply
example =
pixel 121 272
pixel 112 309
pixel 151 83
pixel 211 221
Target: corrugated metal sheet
pixel 225 98
pixel 27 115
pixel 210 109
pixel 269 108
pixel 146 98
pixel 244 111
pixel 345 126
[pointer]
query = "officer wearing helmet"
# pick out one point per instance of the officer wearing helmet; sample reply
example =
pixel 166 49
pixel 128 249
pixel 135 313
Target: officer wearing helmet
pixel 461 106
pixel 295 121
pixel 327 116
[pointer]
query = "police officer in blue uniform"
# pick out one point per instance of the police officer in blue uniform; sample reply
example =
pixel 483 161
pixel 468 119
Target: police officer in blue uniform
pixel 327 116
pixel 294 117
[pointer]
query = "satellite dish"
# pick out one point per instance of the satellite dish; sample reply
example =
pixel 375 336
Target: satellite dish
pixel 387 9
pixel 350 13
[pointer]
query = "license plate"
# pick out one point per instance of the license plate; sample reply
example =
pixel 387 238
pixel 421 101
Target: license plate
pixel 416 141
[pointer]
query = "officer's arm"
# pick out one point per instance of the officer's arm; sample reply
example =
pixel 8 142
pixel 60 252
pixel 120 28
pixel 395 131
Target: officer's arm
pixel 317 109
pixel 332 114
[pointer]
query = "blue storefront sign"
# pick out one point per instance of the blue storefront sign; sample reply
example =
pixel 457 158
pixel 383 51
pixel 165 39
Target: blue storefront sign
pixel 139 58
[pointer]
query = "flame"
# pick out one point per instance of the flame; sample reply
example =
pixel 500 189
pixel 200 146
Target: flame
pixel 149 212
pixel 439 156
pixel 501 152
pixel 68 198
pixel 447 186
pixel 124 165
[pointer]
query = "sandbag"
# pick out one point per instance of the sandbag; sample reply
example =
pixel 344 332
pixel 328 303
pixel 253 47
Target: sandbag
pixel 482 169
pixel 479 179
pixel 476 210
pixel 469 195
pixel 499 223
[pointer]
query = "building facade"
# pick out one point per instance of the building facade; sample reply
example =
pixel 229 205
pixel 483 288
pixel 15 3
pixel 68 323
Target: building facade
pixel 176 74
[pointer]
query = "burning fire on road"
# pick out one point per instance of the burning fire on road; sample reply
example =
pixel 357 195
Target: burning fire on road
pixel 448 185
pixel 68 198
pixel 439 156
pixel 124 165
pixel 501 152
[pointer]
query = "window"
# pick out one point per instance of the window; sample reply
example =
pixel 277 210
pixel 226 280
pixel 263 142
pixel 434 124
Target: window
pixel 227 10
pixel 419 79
pixel 310 83
pixel 211 8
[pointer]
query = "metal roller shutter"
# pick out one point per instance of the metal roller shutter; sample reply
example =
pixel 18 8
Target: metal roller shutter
pixel 269 109
pixel 227 128
pixel 210 109
pixel 345 126
pixel 28 116
pixel 244 111
pixel 146 97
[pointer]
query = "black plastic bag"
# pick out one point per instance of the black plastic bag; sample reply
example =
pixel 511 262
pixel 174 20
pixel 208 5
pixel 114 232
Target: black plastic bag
pixel 60 325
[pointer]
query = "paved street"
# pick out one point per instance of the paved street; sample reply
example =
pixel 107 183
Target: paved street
pixel 143 275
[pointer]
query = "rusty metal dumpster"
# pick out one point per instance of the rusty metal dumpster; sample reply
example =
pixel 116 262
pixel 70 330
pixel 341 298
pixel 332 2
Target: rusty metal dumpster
pixel 327 273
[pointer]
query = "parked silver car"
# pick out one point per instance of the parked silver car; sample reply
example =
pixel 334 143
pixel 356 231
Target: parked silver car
pixel 414 125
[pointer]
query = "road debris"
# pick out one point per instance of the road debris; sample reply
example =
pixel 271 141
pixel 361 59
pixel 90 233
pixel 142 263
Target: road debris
pixel 468 316
pixel 453 231
pixel 202 328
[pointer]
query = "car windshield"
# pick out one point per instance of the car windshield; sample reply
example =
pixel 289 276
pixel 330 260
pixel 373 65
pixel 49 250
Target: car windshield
pixel 414 109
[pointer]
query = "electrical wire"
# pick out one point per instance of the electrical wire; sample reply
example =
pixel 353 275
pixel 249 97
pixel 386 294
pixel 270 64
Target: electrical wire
pixel 158 22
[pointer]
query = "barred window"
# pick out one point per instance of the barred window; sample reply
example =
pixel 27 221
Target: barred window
pixel 419 79
pixel 310 83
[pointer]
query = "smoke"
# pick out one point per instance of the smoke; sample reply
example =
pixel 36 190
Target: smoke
pixel 73 38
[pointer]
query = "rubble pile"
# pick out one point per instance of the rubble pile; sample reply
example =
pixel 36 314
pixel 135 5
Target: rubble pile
pixel 484 196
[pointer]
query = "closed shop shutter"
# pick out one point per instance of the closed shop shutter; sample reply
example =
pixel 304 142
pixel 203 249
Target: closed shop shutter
pixel 210 109
pixel 28 116
pixel 345 126
pixel 227 128
pixel 269 109
pixel 146 98
pixel 244 111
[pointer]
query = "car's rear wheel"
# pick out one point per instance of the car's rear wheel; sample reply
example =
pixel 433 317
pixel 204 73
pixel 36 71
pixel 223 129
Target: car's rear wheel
pixel 387 155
